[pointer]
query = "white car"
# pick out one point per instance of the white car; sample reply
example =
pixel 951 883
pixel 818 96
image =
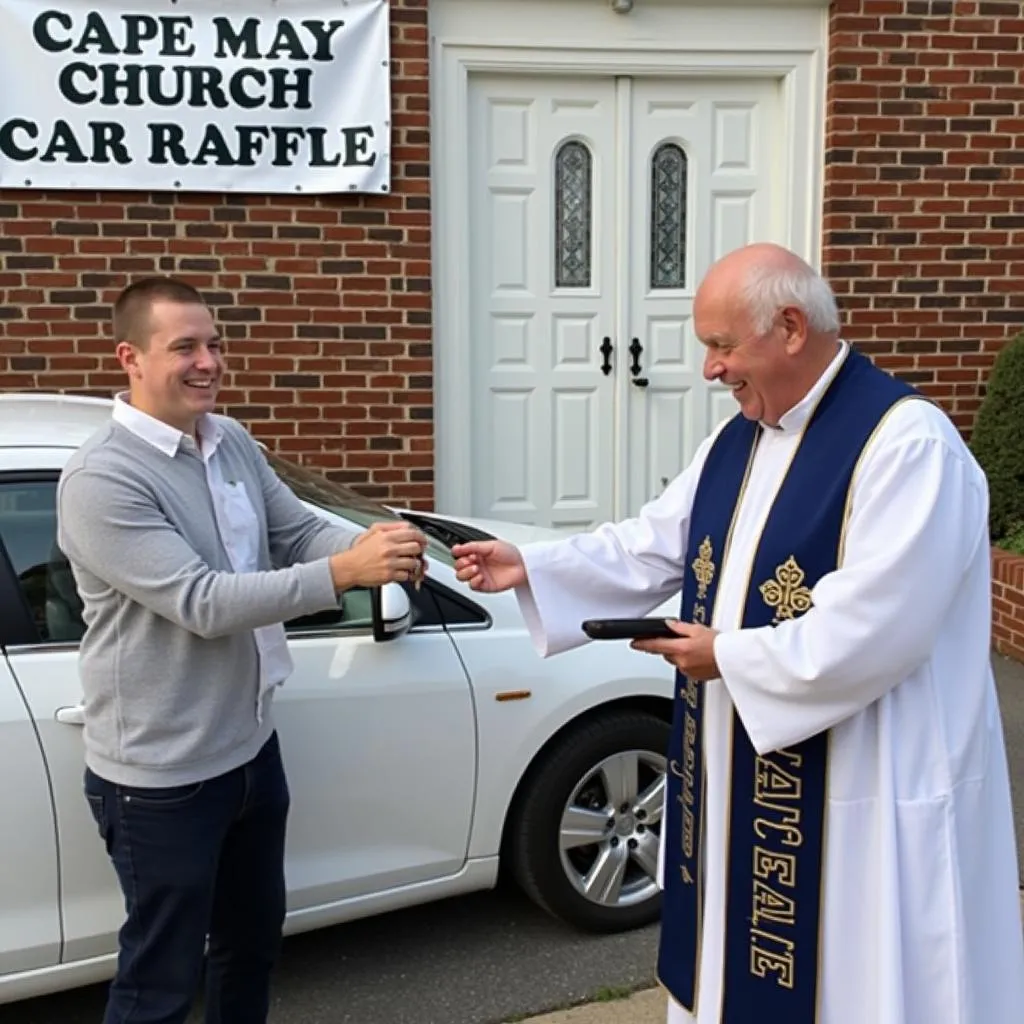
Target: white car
pixel 426 743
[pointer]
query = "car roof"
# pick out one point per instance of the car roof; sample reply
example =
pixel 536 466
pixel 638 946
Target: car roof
pixel 42 419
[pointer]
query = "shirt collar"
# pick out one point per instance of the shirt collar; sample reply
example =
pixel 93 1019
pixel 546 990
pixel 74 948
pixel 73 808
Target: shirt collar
pixel 796 418
pixel 160 435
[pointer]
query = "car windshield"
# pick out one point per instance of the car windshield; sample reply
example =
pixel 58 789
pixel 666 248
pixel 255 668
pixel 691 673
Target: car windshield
pixel 318 490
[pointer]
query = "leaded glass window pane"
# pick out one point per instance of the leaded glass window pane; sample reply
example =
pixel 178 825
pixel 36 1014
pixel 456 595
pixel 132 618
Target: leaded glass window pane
pixel 668 217
pixel 573 201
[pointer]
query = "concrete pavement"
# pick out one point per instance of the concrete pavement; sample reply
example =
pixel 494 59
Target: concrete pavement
pixel 649 1006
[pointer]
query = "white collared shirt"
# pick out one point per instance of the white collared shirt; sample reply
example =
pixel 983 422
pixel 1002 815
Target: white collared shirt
pixel 237 523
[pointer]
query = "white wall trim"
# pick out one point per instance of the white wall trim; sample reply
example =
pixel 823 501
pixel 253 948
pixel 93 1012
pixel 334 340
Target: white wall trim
pixel 464 41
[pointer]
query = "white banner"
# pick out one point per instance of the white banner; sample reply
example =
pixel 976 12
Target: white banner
pixel 198 95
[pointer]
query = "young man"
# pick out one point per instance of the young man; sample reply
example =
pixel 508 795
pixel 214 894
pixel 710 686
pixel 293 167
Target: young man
pixel 189 554
pixel 838 841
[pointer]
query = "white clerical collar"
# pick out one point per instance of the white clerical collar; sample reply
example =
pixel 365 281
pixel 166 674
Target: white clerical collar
pixel 160 435
pixel 797 417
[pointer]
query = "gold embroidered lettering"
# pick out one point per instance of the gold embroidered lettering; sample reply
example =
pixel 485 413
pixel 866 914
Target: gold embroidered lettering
pixel 772 781
pixel 777 790
pixel 690 727
pixel 772 906
pixel 780 865
pixel 704 571
pixel 796 760
pixel 691 693
pixel 792 836
pixel 760 935
pixel 764 962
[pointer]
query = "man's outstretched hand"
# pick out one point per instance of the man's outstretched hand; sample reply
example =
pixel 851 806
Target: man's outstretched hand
pixel 489 565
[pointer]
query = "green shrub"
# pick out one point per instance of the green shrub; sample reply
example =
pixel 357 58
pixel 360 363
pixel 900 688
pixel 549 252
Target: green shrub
pixel 998 442
pixel 1014 541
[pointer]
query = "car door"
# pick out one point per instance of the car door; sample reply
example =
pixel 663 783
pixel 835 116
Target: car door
pixel 44 664
pixel 379 741
pixel 30 927
pixel 29 897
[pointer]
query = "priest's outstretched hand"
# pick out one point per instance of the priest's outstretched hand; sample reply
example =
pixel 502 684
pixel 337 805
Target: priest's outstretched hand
pixel 693 652
pixel 489 565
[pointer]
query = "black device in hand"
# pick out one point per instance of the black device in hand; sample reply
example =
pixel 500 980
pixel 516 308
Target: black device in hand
pixel 627 629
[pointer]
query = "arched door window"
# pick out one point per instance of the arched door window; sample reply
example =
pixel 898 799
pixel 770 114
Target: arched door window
pixel 668 217
pixel 573 210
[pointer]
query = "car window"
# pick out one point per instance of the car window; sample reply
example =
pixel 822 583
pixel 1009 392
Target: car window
pixel 28 527
pixel 324 493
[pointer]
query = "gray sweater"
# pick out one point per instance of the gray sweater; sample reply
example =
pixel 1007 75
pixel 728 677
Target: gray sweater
pixel 169 664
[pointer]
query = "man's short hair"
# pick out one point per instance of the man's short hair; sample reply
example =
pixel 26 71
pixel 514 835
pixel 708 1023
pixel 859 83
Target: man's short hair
pixel 133 305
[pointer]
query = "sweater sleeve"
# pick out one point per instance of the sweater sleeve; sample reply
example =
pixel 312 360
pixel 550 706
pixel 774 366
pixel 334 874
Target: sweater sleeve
pixel 111 526
pixel 295 534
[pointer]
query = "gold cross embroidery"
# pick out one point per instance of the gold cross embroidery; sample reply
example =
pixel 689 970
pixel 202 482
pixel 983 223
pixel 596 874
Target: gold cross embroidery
pixel 786 593
pixel 704 568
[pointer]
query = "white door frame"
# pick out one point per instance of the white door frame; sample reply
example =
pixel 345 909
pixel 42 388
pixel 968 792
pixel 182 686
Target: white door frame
pixel 800 70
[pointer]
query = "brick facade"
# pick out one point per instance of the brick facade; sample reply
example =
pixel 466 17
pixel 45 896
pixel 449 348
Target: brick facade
pixel 1008 603
pixel 326 301
pixel 924 187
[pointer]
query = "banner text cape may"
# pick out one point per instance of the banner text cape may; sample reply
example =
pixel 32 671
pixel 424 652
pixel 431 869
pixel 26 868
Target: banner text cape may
pixel 197 95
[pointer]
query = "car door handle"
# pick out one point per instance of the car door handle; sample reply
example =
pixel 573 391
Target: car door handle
pixel 71 716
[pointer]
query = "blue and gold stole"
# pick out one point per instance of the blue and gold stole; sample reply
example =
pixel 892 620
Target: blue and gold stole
pixel 776 840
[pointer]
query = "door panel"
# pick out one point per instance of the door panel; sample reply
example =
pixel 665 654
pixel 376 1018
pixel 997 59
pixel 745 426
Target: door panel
pixel 29 897
pixel 93 908
pixel 702 175
pixel 541 277
pixel 47 672
pixel 379 741
pixel 596 206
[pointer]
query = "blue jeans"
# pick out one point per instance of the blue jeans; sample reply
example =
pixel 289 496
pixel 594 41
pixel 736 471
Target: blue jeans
pixel 196 862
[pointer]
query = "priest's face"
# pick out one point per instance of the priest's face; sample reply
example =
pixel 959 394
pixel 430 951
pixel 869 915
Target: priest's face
pixel 752 363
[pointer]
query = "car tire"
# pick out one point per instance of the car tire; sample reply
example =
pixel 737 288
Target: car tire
pixel 560 774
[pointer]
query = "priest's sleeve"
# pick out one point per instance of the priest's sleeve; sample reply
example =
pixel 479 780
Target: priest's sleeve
pixel 624 569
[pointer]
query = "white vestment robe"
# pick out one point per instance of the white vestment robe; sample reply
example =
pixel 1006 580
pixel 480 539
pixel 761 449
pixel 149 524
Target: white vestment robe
pixel 920 914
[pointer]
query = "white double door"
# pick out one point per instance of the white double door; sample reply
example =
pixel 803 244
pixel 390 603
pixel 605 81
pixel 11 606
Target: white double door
pixel 596 206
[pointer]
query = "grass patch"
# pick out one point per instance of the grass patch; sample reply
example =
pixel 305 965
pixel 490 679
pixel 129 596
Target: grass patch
pixel 605 994
pixel 612 993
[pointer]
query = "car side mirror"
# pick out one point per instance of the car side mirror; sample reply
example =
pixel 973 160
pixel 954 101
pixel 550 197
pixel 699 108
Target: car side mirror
pixel 391 610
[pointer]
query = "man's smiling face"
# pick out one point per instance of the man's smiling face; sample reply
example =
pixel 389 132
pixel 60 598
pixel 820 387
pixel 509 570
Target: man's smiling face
pixel 176 372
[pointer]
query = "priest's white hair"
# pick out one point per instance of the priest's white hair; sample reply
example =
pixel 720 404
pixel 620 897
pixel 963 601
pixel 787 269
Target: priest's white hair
pixel 769 286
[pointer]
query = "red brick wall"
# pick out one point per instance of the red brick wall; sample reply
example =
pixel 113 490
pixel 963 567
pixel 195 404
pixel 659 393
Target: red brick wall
pixel 924 207
pixel 325 301
pixel 1008 603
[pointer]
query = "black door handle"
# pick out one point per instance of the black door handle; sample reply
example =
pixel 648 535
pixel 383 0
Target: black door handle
pixel 635 349
pixel 606 351
pixel 641 382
